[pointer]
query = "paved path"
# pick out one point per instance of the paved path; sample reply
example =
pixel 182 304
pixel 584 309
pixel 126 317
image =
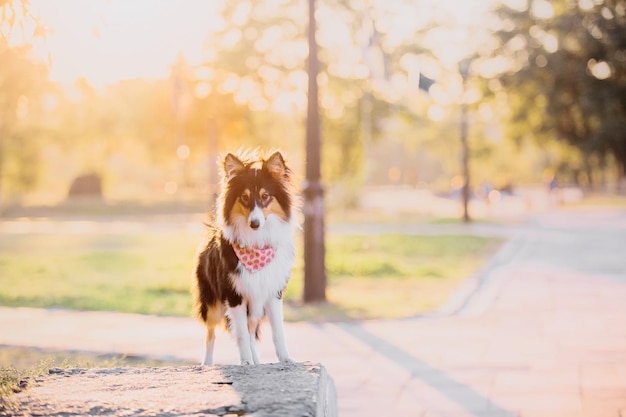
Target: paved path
pixel 540 331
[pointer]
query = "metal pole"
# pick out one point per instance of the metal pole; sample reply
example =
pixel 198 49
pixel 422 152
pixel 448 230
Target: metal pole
pixel 465 154
pixel 314 250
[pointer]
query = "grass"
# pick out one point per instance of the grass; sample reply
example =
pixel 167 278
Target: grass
pixel 393 276
pixel 377 276
pixel 148 273
pixel 368 276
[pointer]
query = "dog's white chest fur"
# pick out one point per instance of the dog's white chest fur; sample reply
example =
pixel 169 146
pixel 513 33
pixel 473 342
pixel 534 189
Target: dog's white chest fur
pixel 257 288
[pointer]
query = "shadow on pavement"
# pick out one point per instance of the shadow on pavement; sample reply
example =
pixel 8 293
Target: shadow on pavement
pixel 462 395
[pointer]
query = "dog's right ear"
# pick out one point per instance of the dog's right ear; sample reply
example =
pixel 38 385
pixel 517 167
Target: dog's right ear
pixel 232 166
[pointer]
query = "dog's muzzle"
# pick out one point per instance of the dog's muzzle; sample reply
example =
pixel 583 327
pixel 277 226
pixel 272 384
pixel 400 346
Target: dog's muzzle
pixel 256 219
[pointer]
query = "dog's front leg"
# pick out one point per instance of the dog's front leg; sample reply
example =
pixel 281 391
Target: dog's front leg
pixel 239 323
pixel 253 326
pixel 275 316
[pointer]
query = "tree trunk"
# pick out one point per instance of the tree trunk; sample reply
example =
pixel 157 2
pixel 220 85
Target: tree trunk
pixel 589 172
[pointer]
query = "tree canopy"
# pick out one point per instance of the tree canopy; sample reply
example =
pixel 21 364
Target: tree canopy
pixel 566 75
pixel 558 69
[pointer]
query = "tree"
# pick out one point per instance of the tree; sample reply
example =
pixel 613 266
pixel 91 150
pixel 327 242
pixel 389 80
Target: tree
pixel 566 77
pixel 22 82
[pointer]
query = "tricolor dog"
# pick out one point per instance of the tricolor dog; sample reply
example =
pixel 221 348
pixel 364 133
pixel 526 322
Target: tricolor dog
pixel 245 263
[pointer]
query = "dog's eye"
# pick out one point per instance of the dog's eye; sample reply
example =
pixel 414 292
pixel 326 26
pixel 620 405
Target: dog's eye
pixel 245 199
pixel 265 198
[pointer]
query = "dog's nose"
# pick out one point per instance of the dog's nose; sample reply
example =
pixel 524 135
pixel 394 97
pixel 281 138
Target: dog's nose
pixel 254 224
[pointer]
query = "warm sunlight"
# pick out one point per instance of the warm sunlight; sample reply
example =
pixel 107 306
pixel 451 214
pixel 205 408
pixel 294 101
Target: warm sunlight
pixel 461 27
pixel 109 40
pixel 145 92
pixel 442 184
pixel 106 41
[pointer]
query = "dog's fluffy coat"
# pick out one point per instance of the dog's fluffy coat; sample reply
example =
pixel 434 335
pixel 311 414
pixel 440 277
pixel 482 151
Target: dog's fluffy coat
pixel 254 211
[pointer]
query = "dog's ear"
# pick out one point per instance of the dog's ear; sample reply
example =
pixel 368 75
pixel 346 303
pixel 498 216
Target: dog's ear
pixel 275 165
pixel 232 165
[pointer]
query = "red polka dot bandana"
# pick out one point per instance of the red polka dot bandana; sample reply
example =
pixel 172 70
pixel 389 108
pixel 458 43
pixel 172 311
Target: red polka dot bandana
pixel 254 259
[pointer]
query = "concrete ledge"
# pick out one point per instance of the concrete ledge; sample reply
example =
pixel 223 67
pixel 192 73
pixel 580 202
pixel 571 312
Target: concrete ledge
pixel 261 390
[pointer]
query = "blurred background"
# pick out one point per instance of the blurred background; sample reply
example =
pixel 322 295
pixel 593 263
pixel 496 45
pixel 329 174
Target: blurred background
pixel 132 101
pixel 113 114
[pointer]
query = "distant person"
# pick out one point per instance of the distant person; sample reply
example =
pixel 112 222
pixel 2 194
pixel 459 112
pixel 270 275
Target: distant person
pixel 487 188
pixel 553 184
pixel 553 190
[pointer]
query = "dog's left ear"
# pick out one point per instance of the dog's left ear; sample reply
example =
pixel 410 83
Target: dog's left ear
pixel 275 165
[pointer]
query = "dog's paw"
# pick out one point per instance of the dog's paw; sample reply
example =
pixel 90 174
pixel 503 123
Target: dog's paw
pixel 286 359
pixel 246 362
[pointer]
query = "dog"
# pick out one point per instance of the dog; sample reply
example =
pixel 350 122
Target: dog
pixel 244 265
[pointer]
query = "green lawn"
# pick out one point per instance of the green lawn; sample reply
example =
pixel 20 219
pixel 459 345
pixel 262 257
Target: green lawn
pixel 368 276
pixel 391 276
pixel 131 273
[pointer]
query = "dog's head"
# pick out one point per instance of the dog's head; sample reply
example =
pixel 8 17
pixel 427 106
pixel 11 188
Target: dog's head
pixel 255 190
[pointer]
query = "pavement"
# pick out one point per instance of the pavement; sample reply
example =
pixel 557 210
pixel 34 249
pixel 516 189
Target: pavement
pixel 538 331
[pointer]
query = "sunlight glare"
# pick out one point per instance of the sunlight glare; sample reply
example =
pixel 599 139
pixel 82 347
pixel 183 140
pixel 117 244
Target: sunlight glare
pixel 542 9
pixel 436 113
pixel 298 79
pixel 246 91
pixel 439 95
pixel 231 38
pixel 230 84
pixel 599 69
pixel 202 89
pixel 464 28
pixel 105 41
pixel 289 102
pixel 585 4
pixel 492 67
pixel 269 74
pixel 241 13
pixel 550 43
pixel 183 152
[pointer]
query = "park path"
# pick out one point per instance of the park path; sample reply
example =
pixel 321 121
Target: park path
pixel 539 331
